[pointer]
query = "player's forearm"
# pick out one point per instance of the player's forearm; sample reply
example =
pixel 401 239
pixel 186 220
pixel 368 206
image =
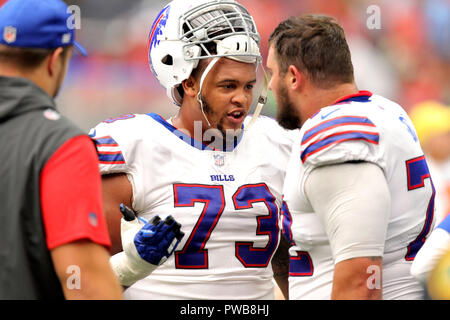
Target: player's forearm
pixel 94 286
pixel 358 279
pixel 84 271
pixel 116 189
pixel 436 245
pixel 355 290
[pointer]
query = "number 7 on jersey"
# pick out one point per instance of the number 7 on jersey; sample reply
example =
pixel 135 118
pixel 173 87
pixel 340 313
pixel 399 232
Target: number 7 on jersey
pixel 194 255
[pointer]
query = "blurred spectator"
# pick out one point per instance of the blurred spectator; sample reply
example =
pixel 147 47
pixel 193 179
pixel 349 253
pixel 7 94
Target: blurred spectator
pixel 437 16
pixel 439 282
pixel 432 122
pixel 411 52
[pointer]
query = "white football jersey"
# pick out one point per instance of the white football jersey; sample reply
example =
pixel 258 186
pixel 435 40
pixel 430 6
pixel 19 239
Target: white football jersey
pixel 435 247
pixel 228 203
pixel 361 127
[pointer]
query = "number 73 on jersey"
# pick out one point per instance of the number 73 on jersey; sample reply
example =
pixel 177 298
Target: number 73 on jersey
pixel 194 255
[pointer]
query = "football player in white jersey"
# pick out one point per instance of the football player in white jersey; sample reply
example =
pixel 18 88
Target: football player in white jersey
pixel 358 190
pixel 435 248
pixel 218 172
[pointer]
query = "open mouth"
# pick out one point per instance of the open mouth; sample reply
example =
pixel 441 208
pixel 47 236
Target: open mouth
pixel 236 116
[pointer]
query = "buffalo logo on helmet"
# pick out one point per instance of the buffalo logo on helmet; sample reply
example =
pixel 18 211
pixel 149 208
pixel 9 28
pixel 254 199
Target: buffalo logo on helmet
pixel 156 30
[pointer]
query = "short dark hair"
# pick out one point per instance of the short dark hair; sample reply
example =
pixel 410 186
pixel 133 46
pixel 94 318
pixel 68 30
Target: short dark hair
pixel 316 45
pixel 26 58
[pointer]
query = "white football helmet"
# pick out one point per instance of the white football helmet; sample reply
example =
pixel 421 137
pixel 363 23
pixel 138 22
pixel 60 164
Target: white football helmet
pixel 186 31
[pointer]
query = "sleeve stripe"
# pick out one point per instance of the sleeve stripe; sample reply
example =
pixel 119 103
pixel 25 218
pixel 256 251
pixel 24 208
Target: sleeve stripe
pixel 105 141
pixel 337 138
pixel 335 122
pixel 111 157
pixel 109 154
pixel 98 145
pixel 112 162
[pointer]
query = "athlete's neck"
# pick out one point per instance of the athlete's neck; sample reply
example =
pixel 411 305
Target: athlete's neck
pixel 189 122
pixel 192 122
pixel 318 98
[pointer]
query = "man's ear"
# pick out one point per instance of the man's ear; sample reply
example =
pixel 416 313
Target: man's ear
pixel 54 62
pixel 295 77
pixel 189 86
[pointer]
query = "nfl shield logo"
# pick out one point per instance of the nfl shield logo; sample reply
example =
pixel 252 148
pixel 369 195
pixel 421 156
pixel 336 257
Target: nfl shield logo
pixel 66 38
pixel 92 218
pixel 9 34
pixel 219 160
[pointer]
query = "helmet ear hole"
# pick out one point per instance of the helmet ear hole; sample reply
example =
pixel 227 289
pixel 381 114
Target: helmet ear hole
pixel 167 60
pixel 186 28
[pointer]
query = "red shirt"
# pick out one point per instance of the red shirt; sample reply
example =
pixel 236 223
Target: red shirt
pixel 71 196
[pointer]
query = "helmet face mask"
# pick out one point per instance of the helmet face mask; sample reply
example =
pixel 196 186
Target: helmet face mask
pixel 209 23
pixel 186 31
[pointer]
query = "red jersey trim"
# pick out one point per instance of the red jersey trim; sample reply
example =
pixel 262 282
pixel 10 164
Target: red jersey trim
pixel 361 93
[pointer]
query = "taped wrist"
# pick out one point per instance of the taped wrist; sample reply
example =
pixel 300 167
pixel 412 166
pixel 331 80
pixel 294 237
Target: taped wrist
pixel 129 270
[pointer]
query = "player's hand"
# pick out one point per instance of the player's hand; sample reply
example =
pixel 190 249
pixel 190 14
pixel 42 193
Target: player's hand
pixel 146 245
pixel 154 240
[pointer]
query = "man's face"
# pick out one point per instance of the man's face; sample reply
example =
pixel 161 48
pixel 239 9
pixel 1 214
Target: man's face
pixel 227 94
pixel 287 115
pixel 61 73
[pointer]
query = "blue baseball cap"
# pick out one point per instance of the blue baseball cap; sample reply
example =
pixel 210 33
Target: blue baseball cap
pixel 37 24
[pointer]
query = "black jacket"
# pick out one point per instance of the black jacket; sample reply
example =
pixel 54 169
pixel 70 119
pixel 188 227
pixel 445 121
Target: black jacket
pixel 30 132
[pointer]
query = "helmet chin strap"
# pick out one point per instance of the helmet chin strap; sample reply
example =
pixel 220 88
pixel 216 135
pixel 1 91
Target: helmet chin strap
pixel 237 48
pixel 261 100
pixel 202 79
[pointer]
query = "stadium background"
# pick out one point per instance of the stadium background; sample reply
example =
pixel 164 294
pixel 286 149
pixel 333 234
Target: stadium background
pixel 406 59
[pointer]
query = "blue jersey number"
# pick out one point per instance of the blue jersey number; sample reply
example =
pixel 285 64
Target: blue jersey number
pixel 417 171
pixel 301 264
pixel 194 255
pixel 244 198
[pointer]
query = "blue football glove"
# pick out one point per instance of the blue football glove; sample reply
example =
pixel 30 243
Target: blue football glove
pixel 157 239
pixel 146 245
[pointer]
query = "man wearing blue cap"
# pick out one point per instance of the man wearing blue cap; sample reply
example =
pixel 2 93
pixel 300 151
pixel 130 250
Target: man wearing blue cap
pixel 53 236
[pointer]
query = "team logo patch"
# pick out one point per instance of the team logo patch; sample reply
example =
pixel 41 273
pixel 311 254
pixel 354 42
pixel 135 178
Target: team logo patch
pixel 93 219
pixel 51 114
pixel 158 27
pixel 156 30
pixel 9 34
pixel 66 37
